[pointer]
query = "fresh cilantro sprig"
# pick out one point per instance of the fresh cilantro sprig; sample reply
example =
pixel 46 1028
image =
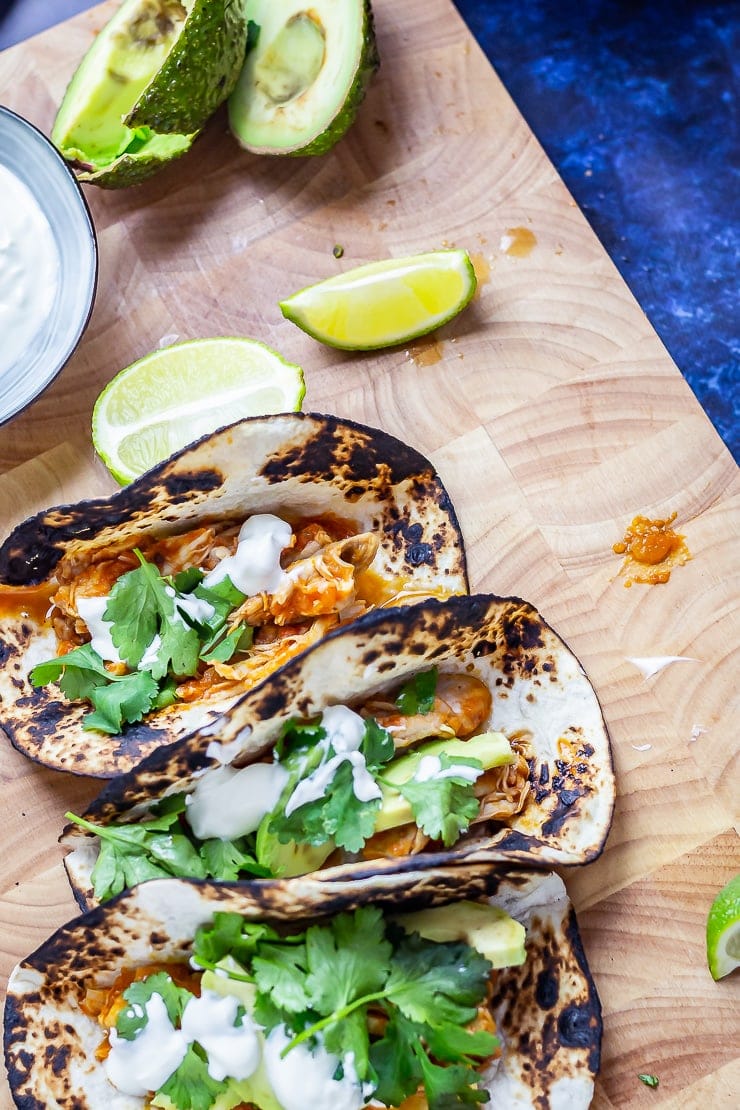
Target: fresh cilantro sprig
pixel 159 848
pixel 325 981
pixel 83 676
pixel 192 1087
pixel 417 695
pixel 443 807
pixel 338 815
pixel 156 637
pixel 132 1018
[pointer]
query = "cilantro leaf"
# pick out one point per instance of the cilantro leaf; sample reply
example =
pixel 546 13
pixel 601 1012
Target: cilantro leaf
pixel 125 698
pixel 450 1086
pixel 130 854
pixel 220 650
pixel 191 1087
pixel 443 807
pixel 377 744
pixel 186 581
pixel 83 660
pixel 351 1035
pixel 280 972
pixel 223 596
pixel 338 815
pixel 229 935
pixel 133 1018
pixel 394 1061
pixel 437 984
pixel 296 736
pixel 347 958
pixel 226 860
pixel 459 1045
pixel 142 606
pixel 417 695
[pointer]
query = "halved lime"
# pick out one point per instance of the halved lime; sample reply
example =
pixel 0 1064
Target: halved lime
pixel 385 303
pixel 175 395
pixel 723 931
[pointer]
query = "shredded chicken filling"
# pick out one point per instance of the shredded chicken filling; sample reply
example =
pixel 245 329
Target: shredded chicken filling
pixel 320 591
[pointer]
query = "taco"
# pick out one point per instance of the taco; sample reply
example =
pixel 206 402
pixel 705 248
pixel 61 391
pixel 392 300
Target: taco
pixel 126 622
pixel 305 994
pixel 440 732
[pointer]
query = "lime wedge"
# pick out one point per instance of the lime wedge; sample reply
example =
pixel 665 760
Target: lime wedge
pixel 723 931
pixel 175 395
pixel 385 303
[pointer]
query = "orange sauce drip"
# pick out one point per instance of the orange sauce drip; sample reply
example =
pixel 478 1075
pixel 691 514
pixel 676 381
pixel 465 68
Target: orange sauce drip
pixel 482 268
pixel 651 549
pixel 425 352
pixel 31 602
pixel 520 241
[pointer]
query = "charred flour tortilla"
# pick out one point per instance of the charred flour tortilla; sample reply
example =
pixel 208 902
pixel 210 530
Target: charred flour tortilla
pixel 538 697
pixel 301 468
pixel 546 1011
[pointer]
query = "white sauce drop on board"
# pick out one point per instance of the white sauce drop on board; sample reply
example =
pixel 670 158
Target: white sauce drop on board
pixel 91 610
pixel 145 1063
pixel 304 1077
pixel 232 1050
pixel 430 767
pixel 29 268
pixel 228 803
pixel 255 565
pixel 345 730
pixel 650 665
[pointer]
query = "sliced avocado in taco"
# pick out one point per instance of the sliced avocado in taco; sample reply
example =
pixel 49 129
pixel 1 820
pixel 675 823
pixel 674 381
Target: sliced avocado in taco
pixel 307 994
pixel 443 731
pixel 128 621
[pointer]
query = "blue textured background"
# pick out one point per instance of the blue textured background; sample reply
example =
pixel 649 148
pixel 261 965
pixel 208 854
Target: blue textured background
pixel 635 105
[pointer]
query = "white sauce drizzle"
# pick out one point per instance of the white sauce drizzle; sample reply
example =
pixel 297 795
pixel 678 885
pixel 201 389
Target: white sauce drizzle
pixel 145 1063
pixel 649 665
pixel 91 610
pixel 344 733
pixel 29 268
pixel 197 608
pixel 305 1076
pixel 233 1050
pixel 254 567
pixel 430 767
pixel 228 803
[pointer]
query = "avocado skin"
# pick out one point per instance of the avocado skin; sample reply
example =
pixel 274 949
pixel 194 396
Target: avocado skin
pixel 186 91
pixel 340 125
pixel 126 170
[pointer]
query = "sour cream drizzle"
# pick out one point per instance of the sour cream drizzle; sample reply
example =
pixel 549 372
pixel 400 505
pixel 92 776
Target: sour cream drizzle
pixel 232 1050
pixel 91 610
pixel 430 767
pixel 254 567
pixel 344 732
pixel 228 803
pixel 305 1076
pixel 145 1063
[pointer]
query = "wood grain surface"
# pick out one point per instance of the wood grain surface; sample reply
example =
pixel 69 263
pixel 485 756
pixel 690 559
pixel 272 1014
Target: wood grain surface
pixel 554 415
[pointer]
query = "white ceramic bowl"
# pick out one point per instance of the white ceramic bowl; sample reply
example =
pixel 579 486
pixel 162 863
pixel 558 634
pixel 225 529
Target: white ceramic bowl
pixel 36 163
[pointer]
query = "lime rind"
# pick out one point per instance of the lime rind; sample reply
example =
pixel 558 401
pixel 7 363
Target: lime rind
pixel 343 311
pixel 174 396
pixel 723 931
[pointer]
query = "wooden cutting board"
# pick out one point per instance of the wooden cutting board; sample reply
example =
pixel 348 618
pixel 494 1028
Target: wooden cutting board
pixel 554 415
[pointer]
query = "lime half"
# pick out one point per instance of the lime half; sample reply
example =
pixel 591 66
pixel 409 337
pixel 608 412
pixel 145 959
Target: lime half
pixel 178 394
pixel 723 931
pixel 385 303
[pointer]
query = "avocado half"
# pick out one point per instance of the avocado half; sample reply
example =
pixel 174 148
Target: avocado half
pixel 147 85
pixel 303 82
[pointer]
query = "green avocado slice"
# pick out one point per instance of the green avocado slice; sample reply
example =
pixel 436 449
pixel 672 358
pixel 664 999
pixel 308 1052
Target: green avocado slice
pixel 147 85
pixel 303 82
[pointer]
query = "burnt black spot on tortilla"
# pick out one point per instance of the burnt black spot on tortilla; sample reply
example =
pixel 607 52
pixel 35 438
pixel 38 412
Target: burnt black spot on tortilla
pixel 34 548
pixel 547 988
pixel 545 773
pixel 586 751
pixel 523 632
pixel 56 1057
pixel 370 656
pixel 562 811
pixel 388 665
pixel 484 647
pixel 418 554
pixel 576 1026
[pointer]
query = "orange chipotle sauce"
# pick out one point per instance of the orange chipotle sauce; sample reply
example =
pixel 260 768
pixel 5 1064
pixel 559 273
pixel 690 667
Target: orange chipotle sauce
pixel 651 549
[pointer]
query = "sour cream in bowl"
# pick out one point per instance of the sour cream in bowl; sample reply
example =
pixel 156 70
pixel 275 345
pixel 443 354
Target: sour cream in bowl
pixel 48 263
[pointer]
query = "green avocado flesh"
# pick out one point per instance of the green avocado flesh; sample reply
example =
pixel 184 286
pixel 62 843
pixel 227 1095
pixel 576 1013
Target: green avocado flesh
pixel 147 85
pixel 303 82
